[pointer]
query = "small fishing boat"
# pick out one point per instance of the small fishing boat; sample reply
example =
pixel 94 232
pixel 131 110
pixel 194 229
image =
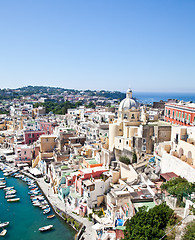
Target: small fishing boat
pixel 46 228
pixel 2 178
pixel 47 210
pixel 2 186
pixel 51 216
pixel 10 196
pixel 4 224
pixel 13 200
pixel 3 232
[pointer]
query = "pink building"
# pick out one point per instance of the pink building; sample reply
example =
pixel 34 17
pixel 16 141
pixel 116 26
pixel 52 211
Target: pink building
pixel 47 127
pixel 32 136
pixel 78 177
pixel 24 154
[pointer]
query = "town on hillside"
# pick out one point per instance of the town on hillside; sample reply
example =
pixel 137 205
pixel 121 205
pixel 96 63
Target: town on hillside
pixel 103 159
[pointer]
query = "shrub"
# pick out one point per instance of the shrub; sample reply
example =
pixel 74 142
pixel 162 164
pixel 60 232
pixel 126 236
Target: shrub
pixel 189 231
pixel 124 159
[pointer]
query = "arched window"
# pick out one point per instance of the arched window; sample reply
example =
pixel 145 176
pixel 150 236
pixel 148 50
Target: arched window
pixel 133 116
pixel 180 152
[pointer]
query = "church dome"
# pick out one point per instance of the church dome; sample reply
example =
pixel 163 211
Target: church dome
pixel 128 103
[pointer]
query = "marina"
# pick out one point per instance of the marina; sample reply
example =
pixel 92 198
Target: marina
pixel 25 217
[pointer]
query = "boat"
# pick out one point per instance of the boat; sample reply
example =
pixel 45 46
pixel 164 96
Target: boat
pixel 2 178
pixel 13 200
pixel 51 216
pixel 3 232
pixel 4 224
pixel 2 186
pixel 8 188
pixel 46 228
pixel 10 196
pixel 11 192
pixel 47 210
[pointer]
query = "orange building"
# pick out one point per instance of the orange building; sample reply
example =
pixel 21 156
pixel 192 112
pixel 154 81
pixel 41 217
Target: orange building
pixel 180 113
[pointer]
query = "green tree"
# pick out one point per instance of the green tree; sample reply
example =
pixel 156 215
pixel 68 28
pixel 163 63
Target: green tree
pixel 148 225
pixel 178 187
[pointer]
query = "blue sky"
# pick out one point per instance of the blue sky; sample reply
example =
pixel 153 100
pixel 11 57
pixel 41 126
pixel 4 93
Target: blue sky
pixel 104 44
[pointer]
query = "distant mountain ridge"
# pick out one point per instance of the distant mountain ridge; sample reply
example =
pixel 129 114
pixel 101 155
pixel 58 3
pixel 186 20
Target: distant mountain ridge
pixel 31 90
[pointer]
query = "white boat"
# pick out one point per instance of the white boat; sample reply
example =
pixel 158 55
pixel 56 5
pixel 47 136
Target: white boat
pixel 46 228
pixel 13 200
pixel 8 188
pixel 47 210
pixel 2 178
pixel 2 186
pixel 4 224
pixel 3 232
pixel 10 196
pixel 11 192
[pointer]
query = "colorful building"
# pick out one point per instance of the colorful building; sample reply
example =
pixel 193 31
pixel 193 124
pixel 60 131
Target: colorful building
pixel 32 136
pixel 181 113
pixel 24 154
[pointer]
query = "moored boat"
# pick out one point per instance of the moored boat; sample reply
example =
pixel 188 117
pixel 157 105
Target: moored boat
pixel 10 192
pixel 4 224
pixel 3 232
pixel 47 210
pixel 8 188
pixel 2 186
pixel 51 216
pixel 13 200
pixel 10 196
pixel 46 228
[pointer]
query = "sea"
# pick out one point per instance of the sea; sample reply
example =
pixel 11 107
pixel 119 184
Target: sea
pixel 150 97
pixel 25 219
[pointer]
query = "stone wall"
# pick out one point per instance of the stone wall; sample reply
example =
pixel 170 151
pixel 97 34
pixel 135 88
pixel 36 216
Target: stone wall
pixel 171 163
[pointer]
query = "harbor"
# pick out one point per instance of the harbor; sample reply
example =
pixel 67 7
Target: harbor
pixel 26 217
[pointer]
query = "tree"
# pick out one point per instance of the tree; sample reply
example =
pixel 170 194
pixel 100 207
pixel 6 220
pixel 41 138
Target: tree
pixel 148 225
pixel 178 187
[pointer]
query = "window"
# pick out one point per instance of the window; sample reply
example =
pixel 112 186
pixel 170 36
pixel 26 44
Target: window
pixel 133 116
pixel 120 141
pixel 125 116
pixel 173 113
pixel 127 142
pixel 189 117
pixel 143 148
pixel 185 116
pixel 176 114
pixel 169 113
pixel 179 116
pixel 24 152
